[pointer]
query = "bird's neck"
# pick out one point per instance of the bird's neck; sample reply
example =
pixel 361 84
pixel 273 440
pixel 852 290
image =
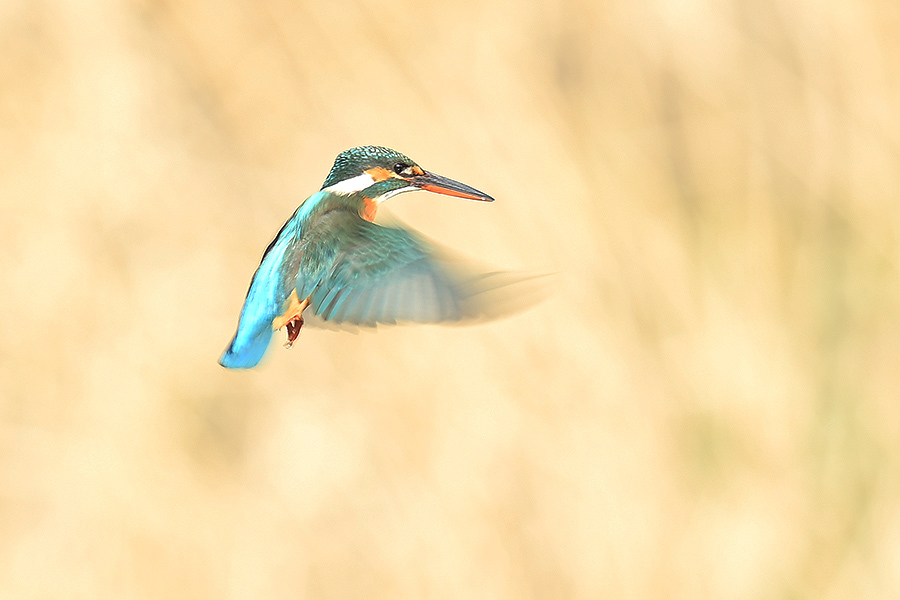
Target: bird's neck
pixel 366 201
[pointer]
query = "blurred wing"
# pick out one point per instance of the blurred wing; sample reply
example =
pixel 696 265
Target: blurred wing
pixel 361 273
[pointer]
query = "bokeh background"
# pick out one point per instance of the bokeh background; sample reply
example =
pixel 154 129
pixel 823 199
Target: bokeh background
pixel 706 406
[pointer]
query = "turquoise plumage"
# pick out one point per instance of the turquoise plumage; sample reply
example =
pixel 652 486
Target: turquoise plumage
pixel 331 258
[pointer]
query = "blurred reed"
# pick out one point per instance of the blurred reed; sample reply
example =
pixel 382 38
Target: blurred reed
pixel 705 407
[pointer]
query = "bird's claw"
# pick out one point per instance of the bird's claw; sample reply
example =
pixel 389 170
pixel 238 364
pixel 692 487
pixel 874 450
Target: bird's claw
pixel 293 330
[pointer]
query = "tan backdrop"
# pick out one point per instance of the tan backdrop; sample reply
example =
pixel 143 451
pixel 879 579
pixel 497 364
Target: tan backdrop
pixel 707 406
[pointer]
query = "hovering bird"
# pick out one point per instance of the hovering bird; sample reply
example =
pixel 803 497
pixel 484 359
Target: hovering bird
pixel 331 258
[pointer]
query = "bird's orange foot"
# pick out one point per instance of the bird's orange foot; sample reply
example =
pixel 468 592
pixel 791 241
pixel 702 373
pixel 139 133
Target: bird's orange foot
pixel 293 330
pixel 292 318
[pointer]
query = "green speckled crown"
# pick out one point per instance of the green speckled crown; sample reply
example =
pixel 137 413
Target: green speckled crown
pixel 354 161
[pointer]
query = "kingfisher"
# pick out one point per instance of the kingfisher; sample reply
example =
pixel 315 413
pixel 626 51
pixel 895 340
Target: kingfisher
pixel 332 259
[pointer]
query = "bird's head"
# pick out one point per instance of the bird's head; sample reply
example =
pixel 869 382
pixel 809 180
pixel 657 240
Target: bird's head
pixel 378 173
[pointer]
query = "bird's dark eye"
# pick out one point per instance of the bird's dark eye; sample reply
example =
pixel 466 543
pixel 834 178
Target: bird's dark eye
pixel 399 168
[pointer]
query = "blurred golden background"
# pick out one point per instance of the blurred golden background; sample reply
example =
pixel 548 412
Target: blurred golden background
pixel 707 406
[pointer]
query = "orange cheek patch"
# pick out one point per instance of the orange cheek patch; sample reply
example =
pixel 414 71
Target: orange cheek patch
pixel 380 173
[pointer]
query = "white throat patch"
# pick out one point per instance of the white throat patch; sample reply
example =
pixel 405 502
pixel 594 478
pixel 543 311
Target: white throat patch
pixel 393 193
pixel 351 186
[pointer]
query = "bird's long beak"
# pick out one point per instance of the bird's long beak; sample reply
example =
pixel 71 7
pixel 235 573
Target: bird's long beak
pixel 444 185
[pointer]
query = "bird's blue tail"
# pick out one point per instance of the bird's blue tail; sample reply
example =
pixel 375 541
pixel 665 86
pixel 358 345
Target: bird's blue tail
pixel 245 354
